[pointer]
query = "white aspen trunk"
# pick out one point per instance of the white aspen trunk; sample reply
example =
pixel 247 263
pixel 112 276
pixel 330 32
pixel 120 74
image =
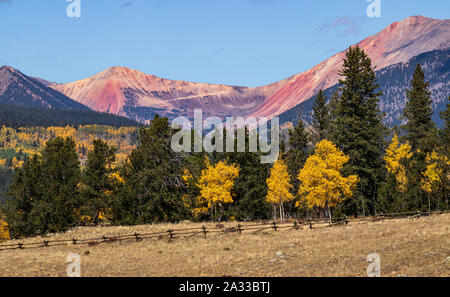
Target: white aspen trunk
pixel 281 213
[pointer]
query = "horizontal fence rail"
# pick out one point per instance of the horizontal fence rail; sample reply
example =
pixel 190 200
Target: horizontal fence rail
pixel 172 234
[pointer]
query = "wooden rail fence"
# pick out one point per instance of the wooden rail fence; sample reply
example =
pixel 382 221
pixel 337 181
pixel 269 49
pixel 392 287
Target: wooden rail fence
pixel 173 234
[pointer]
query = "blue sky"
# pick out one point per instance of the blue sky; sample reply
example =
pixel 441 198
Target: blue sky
pixel 236 42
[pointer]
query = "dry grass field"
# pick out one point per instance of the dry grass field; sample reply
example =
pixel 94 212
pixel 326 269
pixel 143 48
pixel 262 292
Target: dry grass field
pixel 408 247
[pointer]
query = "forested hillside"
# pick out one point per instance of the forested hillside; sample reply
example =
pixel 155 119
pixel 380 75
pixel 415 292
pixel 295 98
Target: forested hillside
pixel 17 145
pixel 20 116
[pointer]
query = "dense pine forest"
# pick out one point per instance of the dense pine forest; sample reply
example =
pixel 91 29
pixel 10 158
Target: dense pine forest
pixel 348 163
pixel 19 116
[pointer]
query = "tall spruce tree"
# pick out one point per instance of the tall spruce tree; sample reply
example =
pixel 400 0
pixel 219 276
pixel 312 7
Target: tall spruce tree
pixel 320 118
pixel 421 133
pixel 358 129
pixel 298 147
pixel 297 152
pixel 97 182
pixel 153 179
pixel 444 149
pixel 419 128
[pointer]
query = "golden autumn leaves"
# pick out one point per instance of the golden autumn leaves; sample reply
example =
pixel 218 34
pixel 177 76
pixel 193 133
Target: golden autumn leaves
pixel 4 231
pixel 395 154
pixel 279 186
pixel 215 184
pixel 432 178
pixel 322 184
pixel 321 180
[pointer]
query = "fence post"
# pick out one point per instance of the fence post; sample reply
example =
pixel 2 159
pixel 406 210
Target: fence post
pixel 239 228
pixel 170 233
pixel 137 236
pixel 274 226
pixel 74 241
pixel 295 225
pixel 204 231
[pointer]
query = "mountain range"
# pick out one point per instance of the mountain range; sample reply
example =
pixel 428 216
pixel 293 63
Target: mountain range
pixel 394 51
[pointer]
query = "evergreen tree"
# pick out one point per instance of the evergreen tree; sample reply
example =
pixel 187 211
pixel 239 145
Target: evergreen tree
pixel 44 192
pixel 445 149
pixel 295 157
pixel 297 152
pixel 419 126
pixel 358 129
pixel 390 198
pixel 420 132
pixel 152 179
pixel 24 190
pixel 98 184
pixel 320 118
pixel 56 210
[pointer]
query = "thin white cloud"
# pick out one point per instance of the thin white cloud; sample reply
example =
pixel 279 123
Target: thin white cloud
pixel 346 24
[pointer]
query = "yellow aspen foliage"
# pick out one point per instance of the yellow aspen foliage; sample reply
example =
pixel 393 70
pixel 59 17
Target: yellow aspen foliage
pixel 395 153
pixel 322 184
pixel 216 182
pixel 16 163
pixel 31 140
pixel 115 176
pixel 187 177
pixel 279 186
pixel 434 176
pixel 4 231
pixel 105 215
